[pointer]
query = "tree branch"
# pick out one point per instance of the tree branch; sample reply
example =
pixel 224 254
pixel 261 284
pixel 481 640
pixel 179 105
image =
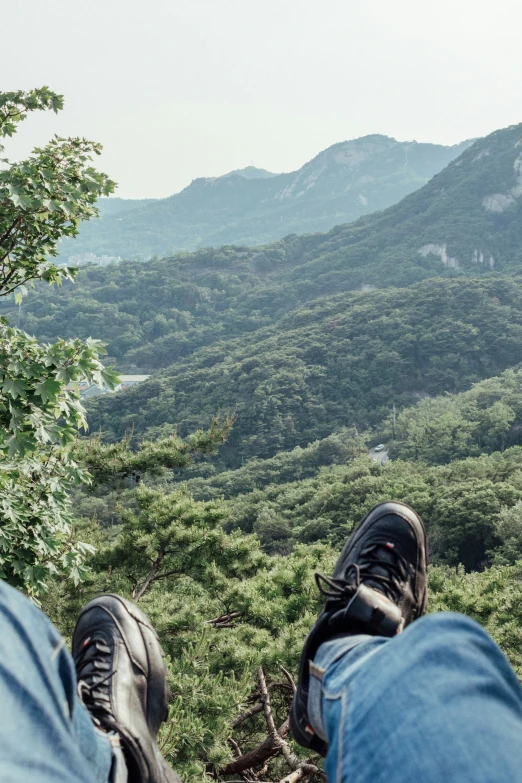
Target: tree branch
pixel 139 593
pixel 7 233
pixel 21 282
pixel 224 621
pixel 296 775
pixel 289 677
pixel 247 714
pixel 266 750
pixel 235 747
pixel 290 758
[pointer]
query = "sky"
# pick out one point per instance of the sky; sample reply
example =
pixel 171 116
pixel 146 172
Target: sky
pixel 179 89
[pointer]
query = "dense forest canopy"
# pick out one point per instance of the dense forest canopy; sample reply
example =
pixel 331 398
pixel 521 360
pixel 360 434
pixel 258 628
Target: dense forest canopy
pixel 342 361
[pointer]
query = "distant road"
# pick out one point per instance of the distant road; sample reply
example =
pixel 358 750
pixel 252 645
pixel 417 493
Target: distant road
pixel 379 456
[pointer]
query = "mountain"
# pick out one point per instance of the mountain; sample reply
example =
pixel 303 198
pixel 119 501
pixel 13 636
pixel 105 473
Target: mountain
pixel 115 206
pixel 252 206
pixel 466 221
pixel 277 332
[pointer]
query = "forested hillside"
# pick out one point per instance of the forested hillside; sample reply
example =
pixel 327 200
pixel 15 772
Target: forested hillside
pixel 213 492
pixel 464 222
pixel 316 373
pixel 234 601
pixel 471 504
pixel 341 361
pixel 253 206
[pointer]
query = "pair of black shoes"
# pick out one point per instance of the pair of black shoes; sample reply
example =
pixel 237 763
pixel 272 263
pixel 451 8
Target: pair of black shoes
pixel 378 587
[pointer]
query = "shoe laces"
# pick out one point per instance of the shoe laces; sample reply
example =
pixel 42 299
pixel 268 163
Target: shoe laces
pixel 94 673
pixel 386 574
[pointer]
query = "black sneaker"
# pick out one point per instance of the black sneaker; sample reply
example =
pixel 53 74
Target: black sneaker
pixel 378 587
pixel 122 681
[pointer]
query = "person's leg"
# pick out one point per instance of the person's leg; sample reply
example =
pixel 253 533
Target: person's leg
pixel 437 702
pixel 387 694
pixel 46 734
pixel 378 587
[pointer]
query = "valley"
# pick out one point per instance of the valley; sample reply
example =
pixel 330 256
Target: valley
pixel 295 349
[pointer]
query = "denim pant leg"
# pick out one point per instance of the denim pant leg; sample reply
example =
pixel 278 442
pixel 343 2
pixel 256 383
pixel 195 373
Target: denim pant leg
pixel 437 703
pixel 46 734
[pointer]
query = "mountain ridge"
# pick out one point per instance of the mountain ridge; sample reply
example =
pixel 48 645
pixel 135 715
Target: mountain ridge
pixel 246 206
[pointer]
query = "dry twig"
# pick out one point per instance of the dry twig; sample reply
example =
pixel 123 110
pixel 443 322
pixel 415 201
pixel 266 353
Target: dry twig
pixel 225 620
pixel 274 744
pixel 290 758
pixel 289 677
pixel 254 758
pixel 246 715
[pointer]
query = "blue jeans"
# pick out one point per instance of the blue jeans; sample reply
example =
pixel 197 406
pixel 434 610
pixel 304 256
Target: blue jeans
pixel 46 734
pixel 438 703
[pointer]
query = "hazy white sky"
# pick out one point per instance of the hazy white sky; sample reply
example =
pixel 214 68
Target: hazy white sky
pixel 178 89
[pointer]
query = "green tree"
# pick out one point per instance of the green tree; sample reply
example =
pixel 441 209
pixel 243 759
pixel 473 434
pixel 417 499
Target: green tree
pixel 39 417
pixel 172 536
pixel 273 532
pixel 42 199
pixel 508 528
pixel 495 424
pixel 222 610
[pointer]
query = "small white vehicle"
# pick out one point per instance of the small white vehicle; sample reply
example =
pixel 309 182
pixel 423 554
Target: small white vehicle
pixel 380 447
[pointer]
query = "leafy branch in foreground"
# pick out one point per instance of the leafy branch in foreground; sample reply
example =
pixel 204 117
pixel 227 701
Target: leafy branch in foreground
pixel 42 459
pixel 15 106
pixel 110 462
pixel 43 198
pixel 39 417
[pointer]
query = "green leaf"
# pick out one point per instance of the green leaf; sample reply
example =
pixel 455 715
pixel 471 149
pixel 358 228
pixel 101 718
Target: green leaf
pixel 48 389
pixel 24 202
pixel 15 387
